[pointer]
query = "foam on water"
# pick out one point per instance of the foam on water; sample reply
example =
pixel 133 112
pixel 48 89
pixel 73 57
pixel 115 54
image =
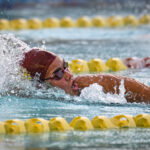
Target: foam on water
pixel 95 93
pixel 11 52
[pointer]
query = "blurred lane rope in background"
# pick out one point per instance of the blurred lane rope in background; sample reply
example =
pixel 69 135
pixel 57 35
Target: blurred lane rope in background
pixel 68 22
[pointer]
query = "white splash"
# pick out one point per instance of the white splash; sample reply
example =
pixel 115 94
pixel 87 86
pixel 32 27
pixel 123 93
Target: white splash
pixel 95 93
pixel 11 76
pixel 11 52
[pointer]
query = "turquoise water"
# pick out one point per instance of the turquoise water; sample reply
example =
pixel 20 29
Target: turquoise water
pixel 22 100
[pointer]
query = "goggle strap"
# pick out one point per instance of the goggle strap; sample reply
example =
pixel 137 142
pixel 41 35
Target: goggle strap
pixel 47 79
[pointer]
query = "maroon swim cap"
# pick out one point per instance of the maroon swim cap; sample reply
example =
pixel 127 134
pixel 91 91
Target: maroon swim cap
pixel 37 61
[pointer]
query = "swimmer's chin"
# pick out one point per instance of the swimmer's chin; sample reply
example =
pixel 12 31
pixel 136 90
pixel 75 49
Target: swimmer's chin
pixel 73 88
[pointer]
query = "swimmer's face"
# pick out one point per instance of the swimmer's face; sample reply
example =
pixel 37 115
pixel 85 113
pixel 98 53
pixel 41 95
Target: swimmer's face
pixel 59 75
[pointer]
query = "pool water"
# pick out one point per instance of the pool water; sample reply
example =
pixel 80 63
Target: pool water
pixel 22 100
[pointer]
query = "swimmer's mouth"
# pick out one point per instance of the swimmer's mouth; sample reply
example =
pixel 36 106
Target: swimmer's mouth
pixel 75 88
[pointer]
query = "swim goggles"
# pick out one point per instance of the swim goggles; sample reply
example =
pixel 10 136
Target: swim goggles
pixel 59 72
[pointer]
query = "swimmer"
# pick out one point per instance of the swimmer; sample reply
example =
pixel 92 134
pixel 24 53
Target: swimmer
pixel 54 70
pixel 137 63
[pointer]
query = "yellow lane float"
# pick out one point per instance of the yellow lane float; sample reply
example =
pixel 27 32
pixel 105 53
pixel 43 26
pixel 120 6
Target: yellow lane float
pixel 36 125
pixel 34 23
pixel 51 23
pixel 123 121
pixel 98 22
pixel 18 24
pixel 102 122
pixel 83 22
pixel 115 64
pixel 130 20
pixel 67 22
pixel 78 66
pixel 2 128
pixel 97 65
pixel 145 19
pixel 15 126
pixel 81 123
pixel 142 120
pixel 4 24
pixel 59 124
pixel 114 21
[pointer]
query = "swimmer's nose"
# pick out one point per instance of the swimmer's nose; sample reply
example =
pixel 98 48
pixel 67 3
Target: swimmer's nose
pixel 67 75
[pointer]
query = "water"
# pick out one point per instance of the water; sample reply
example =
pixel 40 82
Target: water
pixel 21 99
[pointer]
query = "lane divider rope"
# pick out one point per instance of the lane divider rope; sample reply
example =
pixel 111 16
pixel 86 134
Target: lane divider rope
pixel 39 125
pixel 97 65
pixel 68 22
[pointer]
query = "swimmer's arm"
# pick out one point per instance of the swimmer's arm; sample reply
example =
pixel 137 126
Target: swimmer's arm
pixel 109 83
pixel 134 90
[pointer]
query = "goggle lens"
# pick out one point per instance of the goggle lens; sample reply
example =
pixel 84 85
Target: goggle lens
pixel 59 72
pixel 58 75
